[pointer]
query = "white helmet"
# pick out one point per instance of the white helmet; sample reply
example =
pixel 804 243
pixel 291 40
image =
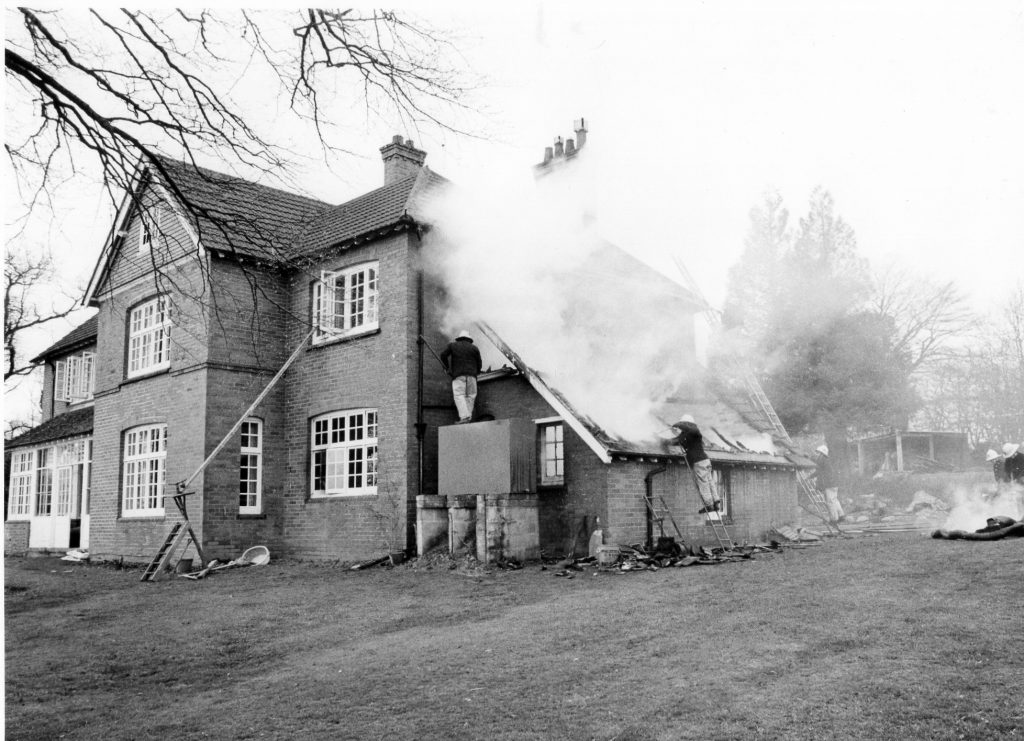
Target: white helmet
pixel 1010 448
pixel 991 455
pixel 464 335
pixel 823 449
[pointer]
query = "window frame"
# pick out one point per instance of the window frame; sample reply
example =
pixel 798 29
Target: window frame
pixel 550 452
pixel 367 464
pixel 142 488
pixel 21 501
pixel 74 378
pixel 155 335
pixel 325 303
pixel 244 466
pixel 723 482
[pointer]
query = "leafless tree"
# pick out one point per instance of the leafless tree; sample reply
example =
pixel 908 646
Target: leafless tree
pixel 927 316
pixel 116 92
pixel 26 278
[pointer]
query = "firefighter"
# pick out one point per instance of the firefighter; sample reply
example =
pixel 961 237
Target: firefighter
pixel 692 443
pixel 463 362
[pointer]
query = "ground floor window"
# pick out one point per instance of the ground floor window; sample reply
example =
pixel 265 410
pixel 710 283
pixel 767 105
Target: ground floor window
pixel 52 481
pixel 344 453
pixel 250 468
pixel 145 455
pixel 551 456
pixel 723 482
pixel 21 488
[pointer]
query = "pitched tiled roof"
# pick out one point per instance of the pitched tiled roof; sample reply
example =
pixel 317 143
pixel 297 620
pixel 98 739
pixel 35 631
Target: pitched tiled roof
pixel 367 215
pixel 70 424
pixel 83 334
pixel 259 221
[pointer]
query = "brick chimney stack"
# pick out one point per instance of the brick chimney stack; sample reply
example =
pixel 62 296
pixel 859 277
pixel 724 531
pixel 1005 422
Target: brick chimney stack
pixel 401 159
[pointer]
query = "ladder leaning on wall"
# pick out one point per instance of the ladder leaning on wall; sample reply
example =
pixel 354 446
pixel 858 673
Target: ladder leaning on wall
pixel 761 403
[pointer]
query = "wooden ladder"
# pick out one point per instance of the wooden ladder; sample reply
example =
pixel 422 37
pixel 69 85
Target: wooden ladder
pixel 174 538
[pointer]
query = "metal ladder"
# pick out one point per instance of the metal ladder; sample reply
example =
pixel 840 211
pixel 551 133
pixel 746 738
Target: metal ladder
pixel 174 538
pixel 761 402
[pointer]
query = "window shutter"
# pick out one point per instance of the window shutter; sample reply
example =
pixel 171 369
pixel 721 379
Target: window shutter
pixel 325 302
pixel 60 379
pixel 87 377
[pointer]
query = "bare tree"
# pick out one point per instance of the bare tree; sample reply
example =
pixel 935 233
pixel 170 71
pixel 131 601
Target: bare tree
pixel 26 277
pixel 927 316
pixel 119 92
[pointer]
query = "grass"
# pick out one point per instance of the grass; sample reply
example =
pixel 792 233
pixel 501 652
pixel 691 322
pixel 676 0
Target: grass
pixel 895 636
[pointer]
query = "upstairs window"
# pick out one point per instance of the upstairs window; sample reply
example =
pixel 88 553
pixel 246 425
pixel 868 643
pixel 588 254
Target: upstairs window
pixel 344 460
pixel 22 470
pixel 75 378
pixel 345 302
pixel 250 468
pixel 142 485
pixel 552 454
pixel 149 337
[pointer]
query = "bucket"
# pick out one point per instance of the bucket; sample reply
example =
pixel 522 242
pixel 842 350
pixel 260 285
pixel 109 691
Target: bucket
pixel 607 555
pixel 184 566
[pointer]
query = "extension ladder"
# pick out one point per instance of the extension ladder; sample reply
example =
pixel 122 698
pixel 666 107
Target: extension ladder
pixel 761 402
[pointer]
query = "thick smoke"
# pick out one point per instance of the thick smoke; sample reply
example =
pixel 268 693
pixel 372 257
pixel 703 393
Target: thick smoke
pixel 526 257
pixel 973 506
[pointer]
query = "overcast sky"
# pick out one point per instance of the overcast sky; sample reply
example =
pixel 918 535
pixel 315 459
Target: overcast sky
pixel 911 114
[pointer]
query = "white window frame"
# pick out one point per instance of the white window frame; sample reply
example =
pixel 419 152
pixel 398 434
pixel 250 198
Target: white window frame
pixel 250 467
pixel 22 483
pixel 723 483
pixel 44 482
pixel 346 302
pixel 144 472
pixel 343 460
pixel 150 221
pixel 149 337
pixel 551 453
pixel 75 378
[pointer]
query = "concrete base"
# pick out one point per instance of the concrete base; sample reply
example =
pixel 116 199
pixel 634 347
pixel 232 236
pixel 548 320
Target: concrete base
pixel 461 524
pixel 431 522
pixel 507 527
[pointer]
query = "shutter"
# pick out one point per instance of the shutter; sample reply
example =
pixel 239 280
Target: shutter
pixel 88 375
pixel 60 379
pixel 74 384
pixel 324 294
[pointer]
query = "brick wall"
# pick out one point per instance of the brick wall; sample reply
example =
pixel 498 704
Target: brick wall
pixel 16 538
pixel 377 371
pixel 175 397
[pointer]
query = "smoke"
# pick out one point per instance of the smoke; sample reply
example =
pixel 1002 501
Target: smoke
pixel 973 506
pixel 526 257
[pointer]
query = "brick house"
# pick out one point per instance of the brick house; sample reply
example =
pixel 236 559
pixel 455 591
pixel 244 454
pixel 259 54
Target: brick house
pixel 196 316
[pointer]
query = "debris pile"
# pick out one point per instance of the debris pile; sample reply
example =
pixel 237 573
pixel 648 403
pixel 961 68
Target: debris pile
pixel 874 513
pixel 663 556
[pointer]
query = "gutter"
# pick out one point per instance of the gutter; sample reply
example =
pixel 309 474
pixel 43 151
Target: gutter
pixel 649 488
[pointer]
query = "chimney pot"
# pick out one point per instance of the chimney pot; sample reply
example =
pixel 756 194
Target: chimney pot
pixel 548 154
pixel 580 127
pixel 559 150
pixel 397 139
pixel 570 146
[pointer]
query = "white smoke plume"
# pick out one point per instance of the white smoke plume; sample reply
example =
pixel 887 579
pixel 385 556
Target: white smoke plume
pixel 527 258
pixel 973 506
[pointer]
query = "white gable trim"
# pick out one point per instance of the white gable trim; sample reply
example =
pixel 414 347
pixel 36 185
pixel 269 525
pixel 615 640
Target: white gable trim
pixel 119 231
pixel 542 388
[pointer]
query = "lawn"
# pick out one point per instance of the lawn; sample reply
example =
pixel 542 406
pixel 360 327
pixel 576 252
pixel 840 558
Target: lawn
pixel 893 636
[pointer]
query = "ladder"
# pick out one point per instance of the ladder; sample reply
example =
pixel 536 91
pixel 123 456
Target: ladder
pixel 174 538
pixel 721 533
pixel 659 515
pixel 759 399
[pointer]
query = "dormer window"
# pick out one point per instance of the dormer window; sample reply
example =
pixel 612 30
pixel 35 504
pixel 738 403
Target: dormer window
pixel 75 378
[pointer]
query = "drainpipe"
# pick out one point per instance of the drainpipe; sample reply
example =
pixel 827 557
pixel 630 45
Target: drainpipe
pixel 649 486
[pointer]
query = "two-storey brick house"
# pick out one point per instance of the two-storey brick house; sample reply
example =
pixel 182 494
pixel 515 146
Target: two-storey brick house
pixel 209 285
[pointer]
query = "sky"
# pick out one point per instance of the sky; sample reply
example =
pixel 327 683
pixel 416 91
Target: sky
pixel 909 113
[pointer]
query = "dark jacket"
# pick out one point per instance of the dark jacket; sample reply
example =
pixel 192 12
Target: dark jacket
pixel 1014 467
pixel 825 475
pixel 999 471
pixel 691 441
pixel 462 358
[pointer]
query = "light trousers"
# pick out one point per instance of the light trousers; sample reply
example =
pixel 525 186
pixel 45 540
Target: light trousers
pixel 464 391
